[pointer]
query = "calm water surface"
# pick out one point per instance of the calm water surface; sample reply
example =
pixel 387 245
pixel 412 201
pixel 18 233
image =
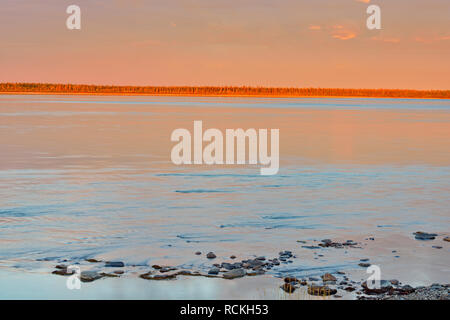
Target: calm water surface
pixel 91 176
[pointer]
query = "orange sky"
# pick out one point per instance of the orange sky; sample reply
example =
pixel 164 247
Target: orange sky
pixel 302 43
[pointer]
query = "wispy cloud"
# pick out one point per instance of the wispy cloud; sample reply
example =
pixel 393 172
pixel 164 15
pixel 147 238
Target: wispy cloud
pixel 431 39
pixel 342 33
pixel 385 39
pixel 314 27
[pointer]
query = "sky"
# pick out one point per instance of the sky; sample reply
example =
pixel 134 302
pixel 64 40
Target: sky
pixel 282 43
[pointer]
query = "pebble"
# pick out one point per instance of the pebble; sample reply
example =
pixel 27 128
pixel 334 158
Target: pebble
pixel 232 257
pixel 437 247
pixel 447 239
pixel 211 255
pixel 91 260
pixel 198 253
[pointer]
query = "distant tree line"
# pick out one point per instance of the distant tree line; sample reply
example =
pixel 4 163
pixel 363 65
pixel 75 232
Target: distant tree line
pixel 219 91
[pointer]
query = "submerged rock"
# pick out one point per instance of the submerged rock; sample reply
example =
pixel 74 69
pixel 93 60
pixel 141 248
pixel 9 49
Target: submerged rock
pixel 214 271
pixel 115 264
pixel 63 272
pixel 150 276
pixel 89 276
pixel 236 273
pixel 167 269
pixel 419 235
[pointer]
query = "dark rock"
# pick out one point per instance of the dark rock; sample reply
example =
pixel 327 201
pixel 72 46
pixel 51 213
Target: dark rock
pixel 114 264
pixel 119 272
pixel 437 247
pixel 198 253
pixel 364 260
pixel 167 269
pixel 89 276
pixel 349 289
pixel 91 260
pixel 395 282
pixel 287 287
pixel 291 280
pixel 214 271
pixel 261 258
pixel 233 257
pixel 419 235
pixel 211 255
pixel 364 264
pixel 327 277
pixel 236 273
pixel 406 289
pixel 150 276
pixel 447 239
pixel 384 286
pixel 321 291
pixel 61 267
pixel 63 272
pixel 156 267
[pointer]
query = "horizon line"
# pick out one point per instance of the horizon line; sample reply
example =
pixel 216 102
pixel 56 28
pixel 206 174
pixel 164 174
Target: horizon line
pixel 205 90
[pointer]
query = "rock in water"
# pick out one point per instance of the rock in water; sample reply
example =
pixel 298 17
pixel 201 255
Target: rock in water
pixel 364 264
pixel 383 287
pixel 150 276
pixel 287 287
pixel 235 273
pixel 447 239
pixel 327 277
pixel 214 271
pixel 424 236
pixel 291 280
pixel 114 264
pixel 210 255
pixel 89 276
pixel 321 291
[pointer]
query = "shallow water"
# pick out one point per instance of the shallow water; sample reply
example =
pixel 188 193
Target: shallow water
pixel 91 176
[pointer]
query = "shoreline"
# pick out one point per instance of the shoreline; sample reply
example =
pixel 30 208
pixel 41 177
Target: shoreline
pixel 112 94
pixel 220 278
